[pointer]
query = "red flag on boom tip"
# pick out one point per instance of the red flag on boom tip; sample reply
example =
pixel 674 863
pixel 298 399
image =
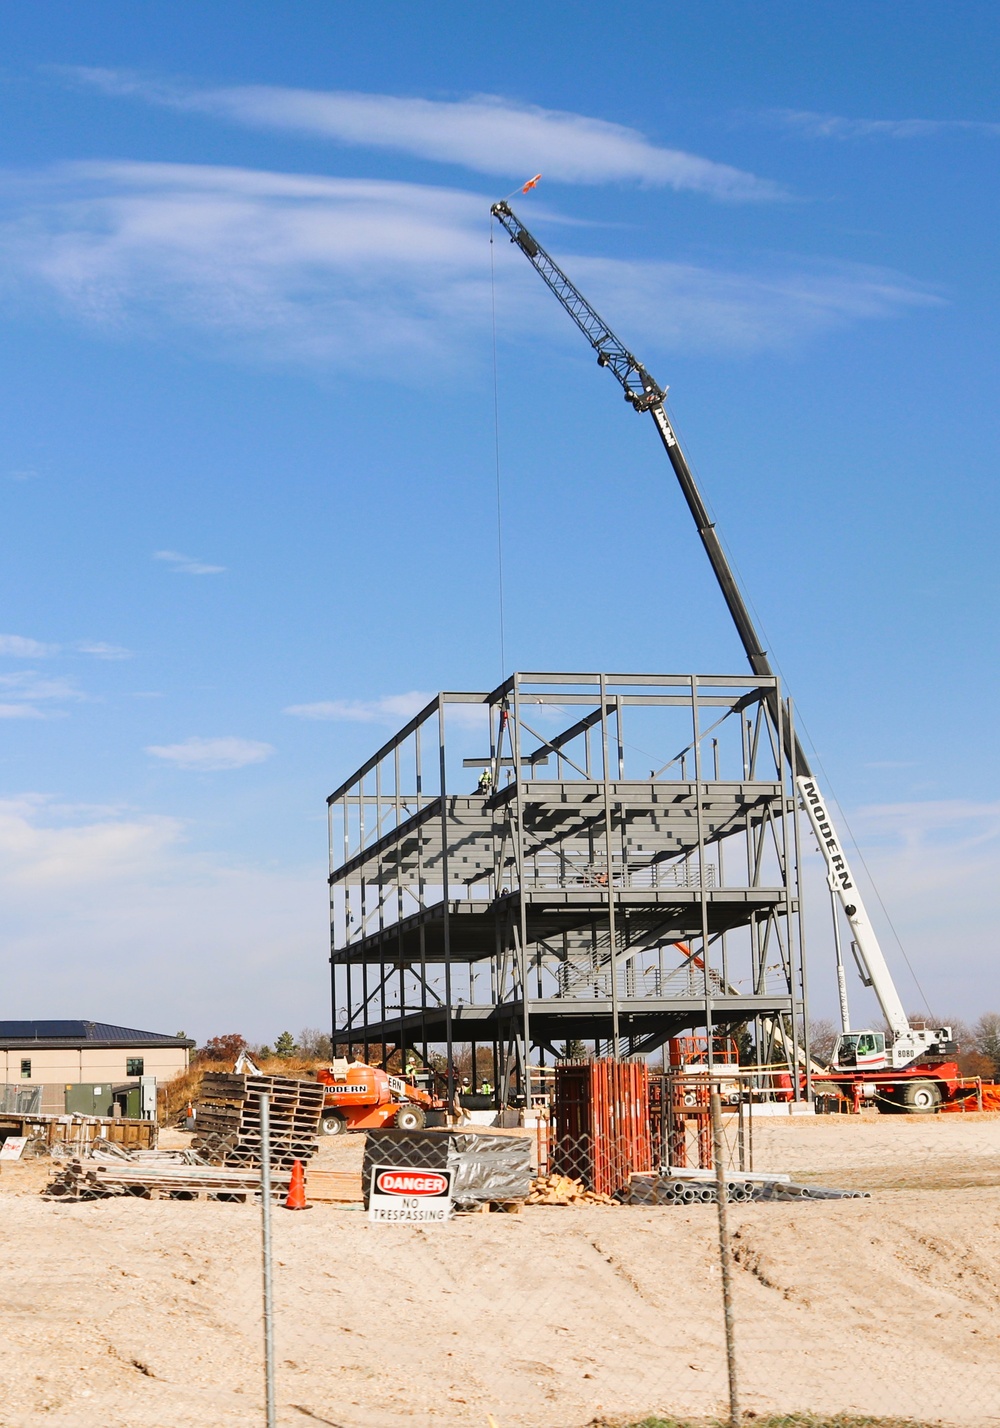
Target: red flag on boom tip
pixel 532 182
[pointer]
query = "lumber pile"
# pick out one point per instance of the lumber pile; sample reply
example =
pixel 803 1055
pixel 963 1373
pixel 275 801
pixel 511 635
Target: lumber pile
pixel 155 1179
pixel 334 1187
pixel 563 1190
pixel 227 1119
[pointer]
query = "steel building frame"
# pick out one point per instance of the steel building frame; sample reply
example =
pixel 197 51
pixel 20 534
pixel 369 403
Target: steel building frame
pixel 573 897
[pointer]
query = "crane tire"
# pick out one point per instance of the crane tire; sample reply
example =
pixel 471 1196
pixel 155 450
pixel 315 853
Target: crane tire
pixel 921 1098
pixel 410 1118
pixel 887 1105
pixel 333 1123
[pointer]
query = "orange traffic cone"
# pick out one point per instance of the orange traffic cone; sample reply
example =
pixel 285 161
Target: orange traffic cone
pixel 297 1189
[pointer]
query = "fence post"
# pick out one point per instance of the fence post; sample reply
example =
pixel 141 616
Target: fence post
pixel 724 1257
pixel 265 1214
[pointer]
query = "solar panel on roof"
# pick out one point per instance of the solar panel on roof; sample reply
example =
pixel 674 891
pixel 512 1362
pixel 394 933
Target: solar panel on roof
pixel 76 1031
pixel 26 1030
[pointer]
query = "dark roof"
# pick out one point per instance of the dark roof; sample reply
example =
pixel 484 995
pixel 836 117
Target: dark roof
pixel 81 1033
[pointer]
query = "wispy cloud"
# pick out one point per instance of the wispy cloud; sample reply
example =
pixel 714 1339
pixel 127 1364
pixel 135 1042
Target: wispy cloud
pixel 22 694
pixel 486 133
pixel 20 647
pixel 74 851
pixel 186 564
pixel 390 709
pixel 23 474
pixel 837 126
pixel 137 897
pixel 347 271
pixel 936 865
pixel 211 755
pixel 101 650
pixel 21 711
pixel 954 822
pixel 696 308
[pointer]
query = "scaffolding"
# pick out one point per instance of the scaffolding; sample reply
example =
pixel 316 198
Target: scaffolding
pixel 600 858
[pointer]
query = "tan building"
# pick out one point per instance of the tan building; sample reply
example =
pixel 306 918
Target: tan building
pixel 88 1065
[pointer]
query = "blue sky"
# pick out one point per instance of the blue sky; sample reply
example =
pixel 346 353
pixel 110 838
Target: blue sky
pixel 246 461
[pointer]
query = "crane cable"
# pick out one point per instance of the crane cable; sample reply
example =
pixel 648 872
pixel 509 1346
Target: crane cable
pixel 496 452
pixel 801 725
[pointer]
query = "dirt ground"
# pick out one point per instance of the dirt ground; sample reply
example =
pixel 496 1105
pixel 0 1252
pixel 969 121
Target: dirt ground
pixel 137 1314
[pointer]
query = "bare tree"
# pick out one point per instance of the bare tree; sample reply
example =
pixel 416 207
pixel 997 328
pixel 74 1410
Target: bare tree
pixel 822 1039
pixel 987 1036
pixel 315 1045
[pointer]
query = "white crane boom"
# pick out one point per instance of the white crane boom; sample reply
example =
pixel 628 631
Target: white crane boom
pixel 646 395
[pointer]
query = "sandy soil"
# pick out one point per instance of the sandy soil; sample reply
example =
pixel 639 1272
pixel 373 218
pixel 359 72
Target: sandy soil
pixel 135 1314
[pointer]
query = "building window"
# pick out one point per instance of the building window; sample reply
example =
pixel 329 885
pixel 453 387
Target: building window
pixel 25 1070
pixel 133 1066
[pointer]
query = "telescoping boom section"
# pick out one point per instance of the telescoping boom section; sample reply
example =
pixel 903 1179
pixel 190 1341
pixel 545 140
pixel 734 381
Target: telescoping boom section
pixel 908 1044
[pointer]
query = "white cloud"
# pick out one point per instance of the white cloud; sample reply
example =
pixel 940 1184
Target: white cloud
pixel 100 650
pixel 351 271
pixel 22 693
pixel 22 648
pixel 156 919
pixel 957 824
pixel 71 854
pixel 390 709
pixel 684 306
pixel 486 133
pixel 22 475
pixel 936 864
pixel 212 754
pixel 836 126
pixel 186 564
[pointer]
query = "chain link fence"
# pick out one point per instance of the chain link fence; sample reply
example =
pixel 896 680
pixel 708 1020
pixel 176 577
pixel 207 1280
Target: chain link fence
pixel 570 1314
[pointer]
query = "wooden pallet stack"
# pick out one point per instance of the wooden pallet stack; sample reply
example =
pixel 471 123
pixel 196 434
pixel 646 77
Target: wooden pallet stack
pixel 227 1119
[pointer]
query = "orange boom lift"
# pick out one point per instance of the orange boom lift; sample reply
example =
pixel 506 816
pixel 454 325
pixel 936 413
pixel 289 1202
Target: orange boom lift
pixel 363 1097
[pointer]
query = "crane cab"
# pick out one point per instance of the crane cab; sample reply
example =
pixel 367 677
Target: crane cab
pixel 860 1051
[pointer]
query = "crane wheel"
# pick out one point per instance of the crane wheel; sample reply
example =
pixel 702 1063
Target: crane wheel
pixel 921 1098
pixel 888 1105
pixel 410 1118
pixel 333 1123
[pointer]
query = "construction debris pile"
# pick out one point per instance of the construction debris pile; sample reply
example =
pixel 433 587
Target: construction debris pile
pixel 228 1119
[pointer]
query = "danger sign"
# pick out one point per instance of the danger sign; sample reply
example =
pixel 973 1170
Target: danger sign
pixel 402 1194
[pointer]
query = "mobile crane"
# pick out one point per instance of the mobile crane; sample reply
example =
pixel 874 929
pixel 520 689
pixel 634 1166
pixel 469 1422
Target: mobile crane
pixel 910 1072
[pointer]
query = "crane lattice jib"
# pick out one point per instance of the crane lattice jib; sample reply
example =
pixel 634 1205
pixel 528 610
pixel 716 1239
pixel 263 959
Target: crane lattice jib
pixel 640 388
pixel 646 395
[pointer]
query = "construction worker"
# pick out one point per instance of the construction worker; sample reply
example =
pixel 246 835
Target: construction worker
pixel 485 786
pixel 485 1087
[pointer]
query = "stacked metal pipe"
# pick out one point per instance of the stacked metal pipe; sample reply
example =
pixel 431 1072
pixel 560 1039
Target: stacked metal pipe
pixel 665 1189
